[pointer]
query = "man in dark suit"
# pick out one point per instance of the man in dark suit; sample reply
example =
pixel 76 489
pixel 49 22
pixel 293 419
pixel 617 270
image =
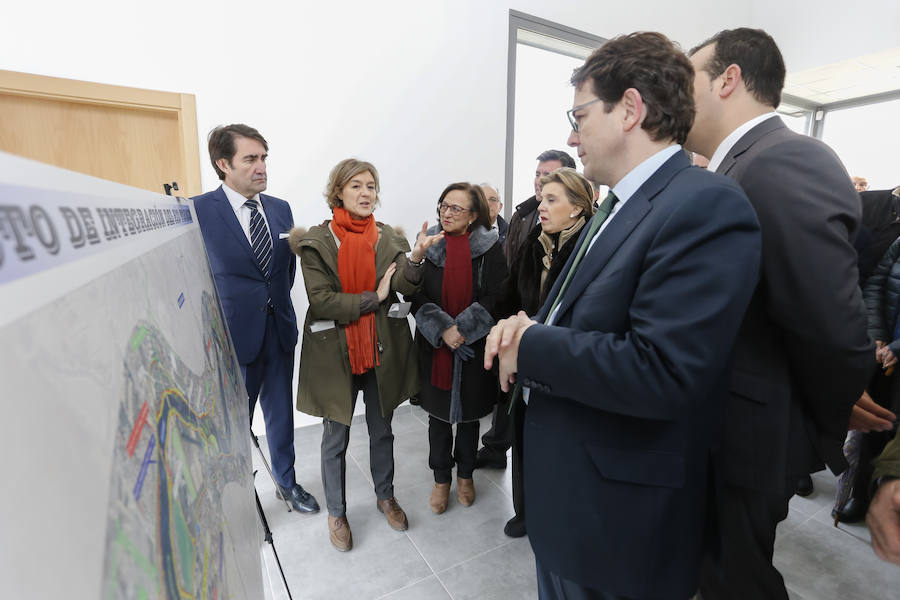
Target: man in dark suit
pixel 626 364
pixel 802 356
pixel 254 271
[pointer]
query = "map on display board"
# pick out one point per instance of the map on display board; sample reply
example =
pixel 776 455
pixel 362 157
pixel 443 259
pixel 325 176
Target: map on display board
pixel 124 405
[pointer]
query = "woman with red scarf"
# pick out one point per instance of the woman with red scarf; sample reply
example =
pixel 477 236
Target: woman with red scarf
pixel 462 280
pixel 353 267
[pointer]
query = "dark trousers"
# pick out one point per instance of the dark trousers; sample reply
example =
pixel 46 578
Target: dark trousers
pixel 499 437
pixel 553 587
pixel 268 378
pixel 336 437
pixel 742 567
pixel 442 452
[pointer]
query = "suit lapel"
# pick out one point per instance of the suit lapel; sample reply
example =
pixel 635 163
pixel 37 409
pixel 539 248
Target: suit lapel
pixel 614 235
pixel 273 219
pixel 746 141
pixel 223 206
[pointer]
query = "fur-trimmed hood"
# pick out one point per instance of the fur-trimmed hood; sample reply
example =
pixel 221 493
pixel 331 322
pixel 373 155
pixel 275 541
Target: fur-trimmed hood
pixel 480 241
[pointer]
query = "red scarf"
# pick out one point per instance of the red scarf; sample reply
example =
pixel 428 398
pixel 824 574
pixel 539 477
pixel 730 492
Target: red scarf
pixel 356 270
pixel 456 296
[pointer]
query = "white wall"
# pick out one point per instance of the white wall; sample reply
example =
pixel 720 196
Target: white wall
pixel 418 88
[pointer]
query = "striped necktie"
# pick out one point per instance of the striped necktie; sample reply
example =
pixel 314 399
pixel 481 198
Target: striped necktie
pixel 260 240
pixel 601 215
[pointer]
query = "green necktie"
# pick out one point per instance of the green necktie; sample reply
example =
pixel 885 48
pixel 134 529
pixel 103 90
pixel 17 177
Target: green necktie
pixel 602 214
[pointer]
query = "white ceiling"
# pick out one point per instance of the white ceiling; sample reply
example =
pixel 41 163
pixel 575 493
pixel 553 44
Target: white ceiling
pixel 865 75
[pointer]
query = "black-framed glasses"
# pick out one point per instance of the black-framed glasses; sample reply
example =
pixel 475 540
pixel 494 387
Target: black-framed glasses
pixel 571 113
pixel 454 209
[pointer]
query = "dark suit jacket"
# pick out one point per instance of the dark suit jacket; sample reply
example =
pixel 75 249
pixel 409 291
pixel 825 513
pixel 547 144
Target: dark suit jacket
pixel 520 224
pixel 242 287
pixel 802 357
pixel 502 229
pixel 624 392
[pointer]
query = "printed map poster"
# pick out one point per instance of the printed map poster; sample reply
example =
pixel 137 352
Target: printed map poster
pixel 128 467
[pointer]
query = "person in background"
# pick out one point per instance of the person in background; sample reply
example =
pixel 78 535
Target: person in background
pixel 353 266
pixel 567 203
pixel 860 183
pixel 254 272
pixel 499 438
pixel 454 309
pixel 495 204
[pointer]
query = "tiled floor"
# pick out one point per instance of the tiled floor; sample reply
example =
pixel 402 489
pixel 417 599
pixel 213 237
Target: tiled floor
pixel 463 554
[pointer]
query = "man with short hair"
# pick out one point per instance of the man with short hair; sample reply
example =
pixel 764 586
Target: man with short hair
pixel 254 270
pixel 525 216
pixel 626 365
pixel 495 205
pixel 802 356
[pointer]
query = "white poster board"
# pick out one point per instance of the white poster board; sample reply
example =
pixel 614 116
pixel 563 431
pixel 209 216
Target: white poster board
pixel 125 426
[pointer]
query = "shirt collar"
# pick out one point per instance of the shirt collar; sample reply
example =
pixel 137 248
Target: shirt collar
pixel 635 178
pixel 236 199
pixel 728 143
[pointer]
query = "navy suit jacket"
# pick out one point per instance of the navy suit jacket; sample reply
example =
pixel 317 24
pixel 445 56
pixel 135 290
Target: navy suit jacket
pixel 244 290
pixel 627 388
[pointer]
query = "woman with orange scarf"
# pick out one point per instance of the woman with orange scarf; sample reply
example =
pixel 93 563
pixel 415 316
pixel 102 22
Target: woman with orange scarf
pixel 353 267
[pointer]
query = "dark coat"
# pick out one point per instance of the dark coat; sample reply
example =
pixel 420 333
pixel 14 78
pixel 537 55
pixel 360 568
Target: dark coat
pixel 882 297
pixel 502 229
pixel 478 388
pixel 520 225
pixel 522 289
pixel 879 227
pixel 325 382
pixel 802 357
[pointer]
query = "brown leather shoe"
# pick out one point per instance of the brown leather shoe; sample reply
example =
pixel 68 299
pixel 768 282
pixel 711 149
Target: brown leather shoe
pixel 339 531
pixel 465 491
pixel 440 497
pixel 395 516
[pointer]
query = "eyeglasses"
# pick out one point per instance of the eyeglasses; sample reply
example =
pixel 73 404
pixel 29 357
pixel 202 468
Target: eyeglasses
pixel 454 209
pixel 571 113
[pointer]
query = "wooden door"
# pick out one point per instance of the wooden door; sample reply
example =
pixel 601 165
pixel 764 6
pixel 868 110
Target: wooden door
pixel 143 138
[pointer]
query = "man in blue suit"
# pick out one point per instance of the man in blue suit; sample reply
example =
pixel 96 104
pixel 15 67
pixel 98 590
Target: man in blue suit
pixel 254 271
pixel 626 365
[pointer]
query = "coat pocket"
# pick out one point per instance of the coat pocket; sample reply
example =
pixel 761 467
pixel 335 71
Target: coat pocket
pixel 662 469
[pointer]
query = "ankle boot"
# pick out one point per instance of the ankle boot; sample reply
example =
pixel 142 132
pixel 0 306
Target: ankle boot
pixel 440 496
pixel 465 490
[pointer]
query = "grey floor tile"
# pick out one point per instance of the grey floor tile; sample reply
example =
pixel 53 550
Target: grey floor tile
pixel 819 561
pixel 427 589
pixel 825 486
pixel 381 561
pixel 505 573
pixel 461 532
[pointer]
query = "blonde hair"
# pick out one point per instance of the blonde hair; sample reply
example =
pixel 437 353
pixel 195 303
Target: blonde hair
pixel 579 190
pixel 343 172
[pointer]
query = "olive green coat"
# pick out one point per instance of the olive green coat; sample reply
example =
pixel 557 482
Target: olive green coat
pixel 325 382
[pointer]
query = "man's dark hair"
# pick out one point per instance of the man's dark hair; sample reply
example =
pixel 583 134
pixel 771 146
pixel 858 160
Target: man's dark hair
pixel 560 155
pixel 758 56
pixel 653 65
pixel 221 143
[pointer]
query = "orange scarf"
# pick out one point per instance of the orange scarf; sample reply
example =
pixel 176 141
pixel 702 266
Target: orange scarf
pixel 356 270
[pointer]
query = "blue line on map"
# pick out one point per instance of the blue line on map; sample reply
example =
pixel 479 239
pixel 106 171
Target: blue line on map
pixel 144 466
pixel 180 300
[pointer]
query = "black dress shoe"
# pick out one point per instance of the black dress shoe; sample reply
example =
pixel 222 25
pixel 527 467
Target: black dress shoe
pixel 299 499
pixel 515 527
pixel 488 458
pixel 805 486
pixel 853 511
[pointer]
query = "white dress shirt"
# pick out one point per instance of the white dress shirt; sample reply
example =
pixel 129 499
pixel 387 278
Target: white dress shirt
pixel 242 212
pixel 728 143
